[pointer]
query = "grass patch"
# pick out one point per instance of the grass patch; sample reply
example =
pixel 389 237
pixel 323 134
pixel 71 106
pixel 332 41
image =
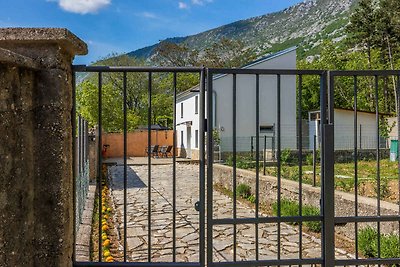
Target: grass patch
pixel 290 208
pixel 244 191
pixel 368 244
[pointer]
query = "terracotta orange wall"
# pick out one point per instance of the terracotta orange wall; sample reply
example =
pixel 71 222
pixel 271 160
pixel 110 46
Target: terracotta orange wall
pixel 136 142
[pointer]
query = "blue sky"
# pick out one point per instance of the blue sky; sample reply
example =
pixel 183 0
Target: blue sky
pixel 124 25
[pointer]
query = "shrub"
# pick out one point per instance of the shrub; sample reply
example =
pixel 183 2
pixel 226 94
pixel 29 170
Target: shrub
pixel 286 156
pixel 252 198
pixel 290 208
pixel 385 191
pixel 243 190
pixel 368 244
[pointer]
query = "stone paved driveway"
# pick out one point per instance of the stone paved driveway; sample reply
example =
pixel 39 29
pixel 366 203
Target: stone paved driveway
pixel 187 221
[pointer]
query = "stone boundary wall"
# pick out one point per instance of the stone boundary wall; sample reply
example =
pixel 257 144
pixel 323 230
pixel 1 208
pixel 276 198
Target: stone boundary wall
pixel 341 156
pixel 344 202
pixel 36 152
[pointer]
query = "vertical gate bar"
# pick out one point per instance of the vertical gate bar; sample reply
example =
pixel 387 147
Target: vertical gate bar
pixel 323 106
pixel 355 127
pixel 209 168
pixel 257 157
pixel 100 159
pixel 73 122
pixel 234 162
pixel 125 166
pixel 264 152
pixel 80 166
pixel 174 177
pixel 300 150
pixel 327 168
pixel 149 170
pixel 278 123
pixel 378 173
pixel 202 244
pixel 79 145
pixel 398 147
pixel 87 140
pixel 252 147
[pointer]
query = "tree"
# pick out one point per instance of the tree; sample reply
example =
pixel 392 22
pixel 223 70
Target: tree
pixel 227 53
pixel 112 107
pixel 176 55
pixel 376 25
pixel 362 27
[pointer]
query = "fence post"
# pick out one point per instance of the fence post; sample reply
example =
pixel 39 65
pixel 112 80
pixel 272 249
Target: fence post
pixel 327 168
pixel 36 222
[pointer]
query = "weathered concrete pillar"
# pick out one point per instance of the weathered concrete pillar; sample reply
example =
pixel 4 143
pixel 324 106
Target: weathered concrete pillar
pixel 36 200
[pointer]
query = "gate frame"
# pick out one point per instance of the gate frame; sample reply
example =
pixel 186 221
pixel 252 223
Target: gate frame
pixel 327 216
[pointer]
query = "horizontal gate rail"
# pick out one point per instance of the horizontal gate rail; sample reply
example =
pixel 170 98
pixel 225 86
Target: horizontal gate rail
pixel 84 68
pixel 136 264
pixel 271 219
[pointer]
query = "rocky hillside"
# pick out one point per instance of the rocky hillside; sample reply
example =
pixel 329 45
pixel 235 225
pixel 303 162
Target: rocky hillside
pixel 305 24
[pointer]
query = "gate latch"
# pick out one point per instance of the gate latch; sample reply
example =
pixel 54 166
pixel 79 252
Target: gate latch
pixel 197 206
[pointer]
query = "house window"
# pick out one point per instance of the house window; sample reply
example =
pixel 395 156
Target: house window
pixel 181 138
pixel 196 139
pixel 181 110
pixel 267 128
pixel 196 105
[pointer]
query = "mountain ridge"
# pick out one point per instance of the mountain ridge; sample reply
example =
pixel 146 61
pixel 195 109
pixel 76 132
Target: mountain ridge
pixel 305 25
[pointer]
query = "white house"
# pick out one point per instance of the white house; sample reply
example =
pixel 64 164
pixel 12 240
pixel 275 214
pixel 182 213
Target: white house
pixel 188 108
pixel 344 129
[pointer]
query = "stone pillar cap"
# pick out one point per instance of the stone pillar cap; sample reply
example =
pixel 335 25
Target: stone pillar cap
pixel 60 36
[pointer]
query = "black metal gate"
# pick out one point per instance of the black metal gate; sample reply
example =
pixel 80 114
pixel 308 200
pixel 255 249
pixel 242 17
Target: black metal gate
pixel 275 82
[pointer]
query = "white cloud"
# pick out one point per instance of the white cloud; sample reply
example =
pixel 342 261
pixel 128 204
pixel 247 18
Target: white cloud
pixel 201 2
pixel 83 6
pixel 183 5
pixel 148 15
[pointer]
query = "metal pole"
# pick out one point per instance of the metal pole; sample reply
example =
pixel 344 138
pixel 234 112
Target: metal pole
pixel 360 137
pixel 252 151
pixel 265 151
pixel 315 161
pixel 125 164
pixel 149 168
pixel 327 169
pixel 174 175
pixel 202 242
pixel 99 170
pixel 210 155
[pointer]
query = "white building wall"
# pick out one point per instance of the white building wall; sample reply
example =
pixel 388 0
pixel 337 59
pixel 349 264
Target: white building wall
pixel 344 129
pixel 189 116
pixel 246 105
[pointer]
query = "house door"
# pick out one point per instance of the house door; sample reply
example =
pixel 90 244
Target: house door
pixel 189 142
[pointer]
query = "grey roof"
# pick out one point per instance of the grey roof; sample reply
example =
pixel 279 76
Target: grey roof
pixel 248 65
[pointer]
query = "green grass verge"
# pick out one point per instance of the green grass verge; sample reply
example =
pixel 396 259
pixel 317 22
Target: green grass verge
pixel 290 208
pixel 368 244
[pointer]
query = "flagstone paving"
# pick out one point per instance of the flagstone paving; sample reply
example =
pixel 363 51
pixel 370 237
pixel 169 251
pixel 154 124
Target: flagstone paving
pixel 187 220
